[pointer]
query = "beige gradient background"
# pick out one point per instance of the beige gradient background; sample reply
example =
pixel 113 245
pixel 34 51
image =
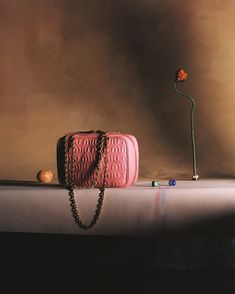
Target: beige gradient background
pixel 71 65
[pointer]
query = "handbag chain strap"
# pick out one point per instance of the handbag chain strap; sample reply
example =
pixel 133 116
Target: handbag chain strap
pixel 102 143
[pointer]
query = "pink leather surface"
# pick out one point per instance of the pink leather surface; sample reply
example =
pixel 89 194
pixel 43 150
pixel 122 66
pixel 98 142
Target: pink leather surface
pixel 123 160
pixel 136 210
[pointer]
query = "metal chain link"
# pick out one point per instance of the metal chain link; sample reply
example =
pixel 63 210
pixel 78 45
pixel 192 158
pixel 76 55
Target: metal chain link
pixel 102 148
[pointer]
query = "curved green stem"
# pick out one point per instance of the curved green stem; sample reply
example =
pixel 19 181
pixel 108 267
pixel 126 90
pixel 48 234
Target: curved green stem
pixel 192 127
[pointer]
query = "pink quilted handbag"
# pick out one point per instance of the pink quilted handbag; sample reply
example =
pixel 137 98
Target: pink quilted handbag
pixel 96 159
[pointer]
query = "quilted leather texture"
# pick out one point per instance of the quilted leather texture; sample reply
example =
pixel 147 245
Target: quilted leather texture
pixel 122 163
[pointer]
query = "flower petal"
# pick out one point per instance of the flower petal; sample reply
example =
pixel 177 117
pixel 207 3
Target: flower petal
pixel 181 75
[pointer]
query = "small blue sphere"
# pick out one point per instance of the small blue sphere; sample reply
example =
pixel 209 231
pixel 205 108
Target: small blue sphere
pixel 172 182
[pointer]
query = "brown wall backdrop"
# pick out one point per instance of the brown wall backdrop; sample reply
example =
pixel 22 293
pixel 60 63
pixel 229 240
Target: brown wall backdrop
pixel 69 65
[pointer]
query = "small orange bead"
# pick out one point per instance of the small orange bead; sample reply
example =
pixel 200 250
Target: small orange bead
pixel 45 176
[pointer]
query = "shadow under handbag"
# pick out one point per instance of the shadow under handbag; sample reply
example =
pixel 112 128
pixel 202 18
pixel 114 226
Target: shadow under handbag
pixel 96 159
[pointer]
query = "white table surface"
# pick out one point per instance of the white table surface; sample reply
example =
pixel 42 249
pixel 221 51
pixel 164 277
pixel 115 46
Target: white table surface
pixel 138 210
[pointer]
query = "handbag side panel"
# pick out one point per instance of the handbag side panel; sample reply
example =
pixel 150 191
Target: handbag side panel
pixel 133 160
pixel 60 161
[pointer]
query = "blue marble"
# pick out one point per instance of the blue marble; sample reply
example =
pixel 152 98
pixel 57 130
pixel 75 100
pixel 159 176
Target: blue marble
pixel 172 182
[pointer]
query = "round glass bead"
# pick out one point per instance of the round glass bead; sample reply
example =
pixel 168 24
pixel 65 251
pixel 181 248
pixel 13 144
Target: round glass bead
pixel 155 183
pixel 172 182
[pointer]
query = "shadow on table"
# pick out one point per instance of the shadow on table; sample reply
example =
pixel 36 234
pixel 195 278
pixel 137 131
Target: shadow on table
pixel 27 183
pixel 217 227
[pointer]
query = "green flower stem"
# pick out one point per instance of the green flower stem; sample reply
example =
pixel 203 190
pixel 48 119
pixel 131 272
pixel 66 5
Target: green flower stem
pixel 192 127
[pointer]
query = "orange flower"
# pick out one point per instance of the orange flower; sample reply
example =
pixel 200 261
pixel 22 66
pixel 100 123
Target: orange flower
pixel 181 75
